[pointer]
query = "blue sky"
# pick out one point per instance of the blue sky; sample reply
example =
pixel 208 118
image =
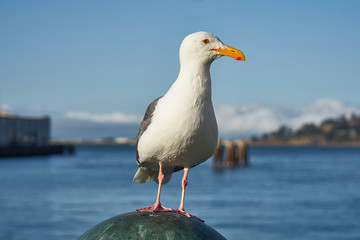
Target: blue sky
pixel 94 66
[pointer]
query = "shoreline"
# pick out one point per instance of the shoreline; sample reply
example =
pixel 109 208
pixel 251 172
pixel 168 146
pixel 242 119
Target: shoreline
pixel 289 144
pixel 132 142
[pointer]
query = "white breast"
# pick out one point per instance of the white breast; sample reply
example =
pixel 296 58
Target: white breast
pixel 183 131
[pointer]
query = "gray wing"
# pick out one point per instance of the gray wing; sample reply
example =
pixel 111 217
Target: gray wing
pixel 145 123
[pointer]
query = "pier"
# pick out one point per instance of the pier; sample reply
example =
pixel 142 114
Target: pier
pixel 36 151
pixel 230 154
pixel 28 136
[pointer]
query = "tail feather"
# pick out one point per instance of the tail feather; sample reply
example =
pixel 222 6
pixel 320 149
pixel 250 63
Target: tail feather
pixel 145 174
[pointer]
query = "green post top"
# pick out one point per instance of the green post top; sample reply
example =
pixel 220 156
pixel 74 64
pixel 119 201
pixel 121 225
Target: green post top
pixel 148 225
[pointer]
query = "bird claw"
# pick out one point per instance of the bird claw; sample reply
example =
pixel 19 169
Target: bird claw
pixel 155 208
pixel 182 212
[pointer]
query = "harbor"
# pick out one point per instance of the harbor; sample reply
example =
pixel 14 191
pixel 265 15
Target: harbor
pixel 28 136
pixel 238 120
pixel 283 190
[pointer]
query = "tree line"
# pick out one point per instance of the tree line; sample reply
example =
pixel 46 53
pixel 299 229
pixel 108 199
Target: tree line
pixel 336 130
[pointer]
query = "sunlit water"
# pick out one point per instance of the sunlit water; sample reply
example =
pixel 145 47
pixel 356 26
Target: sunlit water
pixel 286 193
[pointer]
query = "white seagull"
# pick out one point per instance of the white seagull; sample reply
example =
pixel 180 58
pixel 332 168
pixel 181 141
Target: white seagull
pixel 179 129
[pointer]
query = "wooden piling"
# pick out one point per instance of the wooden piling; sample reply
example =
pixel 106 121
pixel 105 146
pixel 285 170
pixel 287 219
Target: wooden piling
pixel 230 154
pixel 242 152
pixel 217 161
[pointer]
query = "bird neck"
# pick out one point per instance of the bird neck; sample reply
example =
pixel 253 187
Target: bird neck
pixel 195 77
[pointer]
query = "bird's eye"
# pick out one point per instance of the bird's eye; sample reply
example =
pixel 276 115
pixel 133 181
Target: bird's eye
pixel 206 41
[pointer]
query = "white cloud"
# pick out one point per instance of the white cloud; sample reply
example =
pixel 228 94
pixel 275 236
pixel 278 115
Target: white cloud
pixel 247 118
pixel 5 107
pixel 113 117
pixel 255 119
pixel 321 109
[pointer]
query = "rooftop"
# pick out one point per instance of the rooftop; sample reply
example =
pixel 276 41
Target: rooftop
pixel 15 116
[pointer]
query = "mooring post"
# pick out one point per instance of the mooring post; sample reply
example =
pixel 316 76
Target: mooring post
pixel 149 225
pixel 217 160
pixel 242 152
pixel 230 160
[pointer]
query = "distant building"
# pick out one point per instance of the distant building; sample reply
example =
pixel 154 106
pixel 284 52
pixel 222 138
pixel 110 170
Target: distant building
pixel 16 131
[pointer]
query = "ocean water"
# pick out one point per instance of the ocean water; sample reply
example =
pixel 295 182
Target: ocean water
pixel 285 193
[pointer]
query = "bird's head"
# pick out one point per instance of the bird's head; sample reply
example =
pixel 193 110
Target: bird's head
pixel 206 47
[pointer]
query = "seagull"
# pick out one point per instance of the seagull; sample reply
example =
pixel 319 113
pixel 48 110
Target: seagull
pixel 179 129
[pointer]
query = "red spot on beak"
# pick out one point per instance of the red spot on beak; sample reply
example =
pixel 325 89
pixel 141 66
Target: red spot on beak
pixel 238 58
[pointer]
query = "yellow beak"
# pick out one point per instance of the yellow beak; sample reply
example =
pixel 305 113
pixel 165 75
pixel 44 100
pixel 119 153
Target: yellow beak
pixel 231 52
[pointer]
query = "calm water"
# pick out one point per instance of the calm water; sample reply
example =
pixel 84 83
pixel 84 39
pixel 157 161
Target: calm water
pixel 286 193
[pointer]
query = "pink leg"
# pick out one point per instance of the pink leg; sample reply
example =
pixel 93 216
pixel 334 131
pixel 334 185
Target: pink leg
pixel 157 207
pixel 181 209
pixel 184 183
